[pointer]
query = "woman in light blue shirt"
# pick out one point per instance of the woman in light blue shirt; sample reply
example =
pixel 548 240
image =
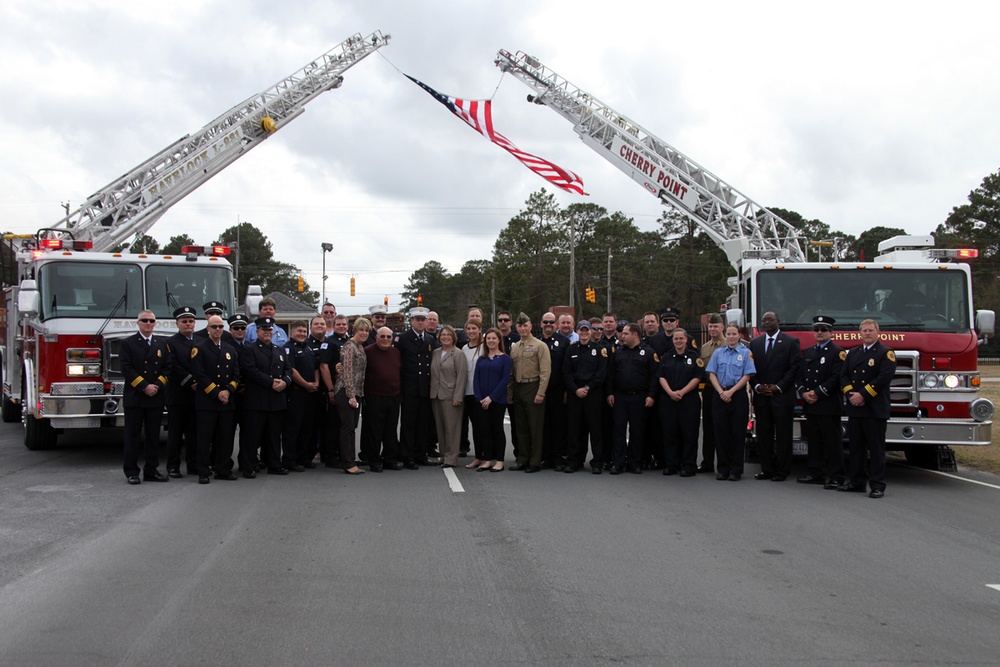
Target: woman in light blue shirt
pixel 729 370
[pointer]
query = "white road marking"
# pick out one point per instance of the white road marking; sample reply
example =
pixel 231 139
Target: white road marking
pixel 961 479
pixel 453 482
pixel 995 587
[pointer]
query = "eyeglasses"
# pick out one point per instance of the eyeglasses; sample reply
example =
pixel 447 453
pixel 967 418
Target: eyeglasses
pixel 503 319
pixel 146 320
pixel 216 326
pixel 239 328
pixel 385 335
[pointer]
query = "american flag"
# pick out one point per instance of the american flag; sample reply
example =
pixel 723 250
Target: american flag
pixel 479 116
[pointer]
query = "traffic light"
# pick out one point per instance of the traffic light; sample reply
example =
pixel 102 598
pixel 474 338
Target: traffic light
pixel 591 295
pixel 302 284
pixel 385 301
pixel 420 300
pixel 352 285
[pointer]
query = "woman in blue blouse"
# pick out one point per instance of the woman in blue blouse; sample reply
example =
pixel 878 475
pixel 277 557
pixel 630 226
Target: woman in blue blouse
pixel 490 381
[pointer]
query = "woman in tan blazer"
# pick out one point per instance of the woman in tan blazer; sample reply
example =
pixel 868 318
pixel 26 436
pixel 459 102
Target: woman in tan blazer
pixel 449 374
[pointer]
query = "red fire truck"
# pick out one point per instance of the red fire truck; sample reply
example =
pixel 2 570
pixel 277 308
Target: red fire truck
pixel 70 298
pixel 921 296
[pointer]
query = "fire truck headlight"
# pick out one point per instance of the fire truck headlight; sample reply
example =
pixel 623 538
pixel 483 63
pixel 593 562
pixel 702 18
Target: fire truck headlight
pixel 981 409
pixel 930 381
pixel 81 370
pixel 951 381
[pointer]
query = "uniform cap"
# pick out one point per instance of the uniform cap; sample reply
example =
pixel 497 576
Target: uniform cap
pixel 671 312
pixel 238 318
pixel 213 308
pixel 378 310
pixel 264 323
pixel 583 324
pixel 184 311
pixel 823 320
pixel 522 319
pixel 419 311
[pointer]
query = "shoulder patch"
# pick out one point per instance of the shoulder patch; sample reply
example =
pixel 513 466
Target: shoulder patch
pixel 656 357
pixel 890 355
pixel 700 362
pixel 604 352
pixel 843 355
pixel 194 352
pixel 751 356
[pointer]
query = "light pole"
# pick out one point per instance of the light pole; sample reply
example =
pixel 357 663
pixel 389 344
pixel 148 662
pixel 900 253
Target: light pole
pixel 327 247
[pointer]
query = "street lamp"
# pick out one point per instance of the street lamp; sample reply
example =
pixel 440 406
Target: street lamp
pixel 327 247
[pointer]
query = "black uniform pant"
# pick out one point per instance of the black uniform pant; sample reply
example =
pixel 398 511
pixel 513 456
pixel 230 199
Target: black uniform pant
pixel 554 435
pixel 607 432
pixel 261 427
pixel 653 454
pixel 416 417
pixel 731 431
pixel 297 435
pixel 867 439
pixel 348 427
pixel 774 436
pixel 826 450
pixel 140 422
pixel 379 425
pixel 215 441
pixel 630 424
pixel 679 423
pixel 707 427
pixel 583 418
pixel 182 432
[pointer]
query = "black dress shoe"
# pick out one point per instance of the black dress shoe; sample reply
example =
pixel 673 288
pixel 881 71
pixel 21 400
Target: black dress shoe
pixel 670 471
pixel 394 465
pixel 570 468
pixel 375 467
pixel 411 465
pixel 596 470
pixel 635 470
pixel 687 473
pixel 204 479
pixel 809 479
pixel 518 466
pixel 226 476
pixel 155 476
pixel 261 466
pixel 722 477
pixel 851 488
pixel 175 473
pixel 133 479
pixel 560 467
pixel 533 469
pixel 277 471
pixel 705 468
pixel 831 485
pixel 615 470
pixel 778 478
pixel 763 475
pixel 295 467
pixel 423 462
pixel 735 478
pixel 249 474
pixel 877 493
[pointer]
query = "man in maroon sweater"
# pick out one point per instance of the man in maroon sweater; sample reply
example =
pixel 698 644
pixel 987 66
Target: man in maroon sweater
pixel 379 442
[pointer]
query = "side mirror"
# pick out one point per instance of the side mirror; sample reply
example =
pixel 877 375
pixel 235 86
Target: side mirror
pixel 28 299
pixel 985 323
pixel 254 297
pixel 735 316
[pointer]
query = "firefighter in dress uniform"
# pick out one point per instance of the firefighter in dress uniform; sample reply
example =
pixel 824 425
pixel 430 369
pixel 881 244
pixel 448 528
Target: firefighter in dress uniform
pixel 267 372
pixel 216 370
pixel 584 370
pixel 298 436
pixel 819 388
pixel 182 429
pixel 145 364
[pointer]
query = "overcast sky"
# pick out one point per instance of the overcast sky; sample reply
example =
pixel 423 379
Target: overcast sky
pixel 856 113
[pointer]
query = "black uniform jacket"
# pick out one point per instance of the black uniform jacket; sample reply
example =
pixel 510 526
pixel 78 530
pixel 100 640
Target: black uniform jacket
pixel 632 370
pixel 142 365
pixel 180 390
pixel 819 371
pixel 216 368
pixel 780 367
pixel 585 366
pixel 869 373
pixel 557 344
pixel 415 357
pixel 260 366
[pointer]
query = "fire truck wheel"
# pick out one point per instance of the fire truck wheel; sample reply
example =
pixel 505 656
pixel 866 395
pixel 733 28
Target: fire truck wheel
pixel 38 433
pixel 10 411
pixel 922 457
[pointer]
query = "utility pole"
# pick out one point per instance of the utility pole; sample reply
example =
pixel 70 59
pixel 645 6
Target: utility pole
pixel 327 247
pixel 572 262
pixel 609 280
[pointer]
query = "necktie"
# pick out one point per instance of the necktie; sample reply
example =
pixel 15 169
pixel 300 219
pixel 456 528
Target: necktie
pixel 770 344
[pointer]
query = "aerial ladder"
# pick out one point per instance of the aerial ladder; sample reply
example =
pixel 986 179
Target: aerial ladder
pixel 736 223
pixel 129 206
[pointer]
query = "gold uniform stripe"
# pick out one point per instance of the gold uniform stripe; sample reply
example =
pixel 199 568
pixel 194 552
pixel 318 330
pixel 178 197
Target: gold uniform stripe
pixel 848 388
pixel 233 384
pixel 163 379
pixel 871 390
pixel 209 388
pixel 136 382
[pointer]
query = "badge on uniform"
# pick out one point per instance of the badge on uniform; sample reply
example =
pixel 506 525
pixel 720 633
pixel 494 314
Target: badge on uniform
pixel 739 357
pixel 228 357
pixel 604 352
pixel 194 352
pixel 593 353
pixel 642 353
pixel 159 353
pixel 287 351
pixel 843 355
pixel 555 343
pixel 689 361
pixel 871 362
pixel 822 360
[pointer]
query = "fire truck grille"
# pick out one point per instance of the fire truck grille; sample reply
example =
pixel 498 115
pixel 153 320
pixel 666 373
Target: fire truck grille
pixel 903 388
pixel 77 388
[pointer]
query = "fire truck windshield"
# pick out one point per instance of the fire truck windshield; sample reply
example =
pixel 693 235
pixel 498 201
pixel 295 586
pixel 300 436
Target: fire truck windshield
pixel 898 299
pixel 171 286
pixel 89 289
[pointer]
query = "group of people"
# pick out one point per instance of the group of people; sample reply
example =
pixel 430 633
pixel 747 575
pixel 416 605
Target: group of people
pixel 633 393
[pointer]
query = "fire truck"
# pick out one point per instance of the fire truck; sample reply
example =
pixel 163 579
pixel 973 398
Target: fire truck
pixel 74 290
pixel 921 296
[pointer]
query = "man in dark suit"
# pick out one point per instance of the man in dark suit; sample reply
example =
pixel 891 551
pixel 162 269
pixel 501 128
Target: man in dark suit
pixel 819 388
pixel 216 369
pixel 555 453
pixel 415 383
pixel 865 379
pixel 776 358
pixel 182 429
pixel 267 372
pixel 145 364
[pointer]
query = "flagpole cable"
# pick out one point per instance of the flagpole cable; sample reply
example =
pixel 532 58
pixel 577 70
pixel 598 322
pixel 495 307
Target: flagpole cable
pixel 393 65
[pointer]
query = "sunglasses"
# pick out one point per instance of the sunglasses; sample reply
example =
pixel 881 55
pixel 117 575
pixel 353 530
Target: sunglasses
pixel 503 319
pixel 598 329
pixel 548 321
pixel 239 328
pixel 146 320
pixel 826 329
pixel 385 336
pixel 668 319
pixel 216 326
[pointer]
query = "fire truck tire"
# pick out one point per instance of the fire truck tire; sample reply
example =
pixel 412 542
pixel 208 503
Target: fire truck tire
pixel 10 411
pixel 922 457
pixel 38 433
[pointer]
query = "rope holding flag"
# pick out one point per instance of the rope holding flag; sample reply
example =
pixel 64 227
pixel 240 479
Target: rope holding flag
pixel 478 114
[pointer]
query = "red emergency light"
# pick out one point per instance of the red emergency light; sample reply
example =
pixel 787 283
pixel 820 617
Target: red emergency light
pixel 60 244
pixel 217 250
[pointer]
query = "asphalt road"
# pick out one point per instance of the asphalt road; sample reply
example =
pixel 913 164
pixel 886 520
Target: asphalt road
pixel 398 568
